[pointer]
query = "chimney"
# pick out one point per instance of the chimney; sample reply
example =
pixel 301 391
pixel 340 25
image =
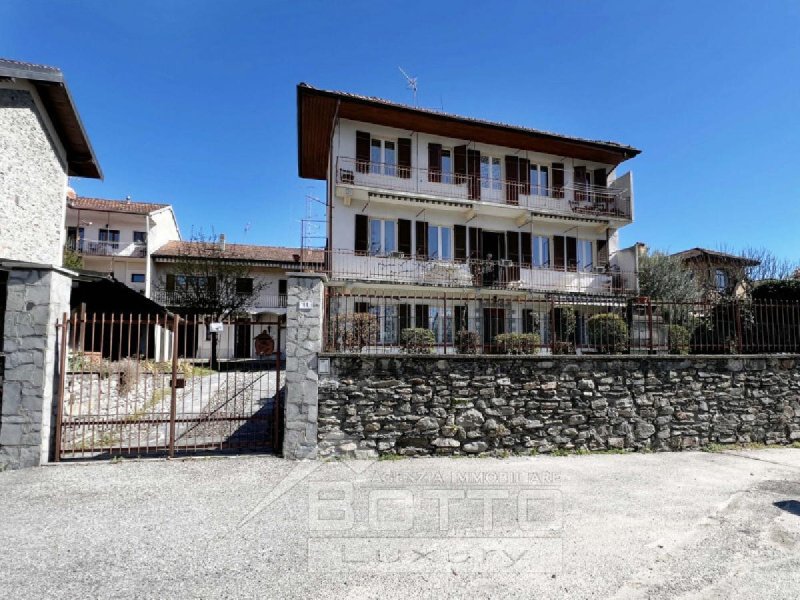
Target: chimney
pixel 222 241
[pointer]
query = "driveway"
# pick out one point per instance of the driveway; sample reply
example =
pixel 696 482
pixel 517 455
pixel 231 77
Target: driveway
pixel 688 525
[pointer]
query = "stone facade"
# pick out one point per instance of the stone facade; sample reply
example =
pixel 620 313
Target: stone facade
pixel 303 343
pixel 35 300
pixel 33 181
pixel 417 405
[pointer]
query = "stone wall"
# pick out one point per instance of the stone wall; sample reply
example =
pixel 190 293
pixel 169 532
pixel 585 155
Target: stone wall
pixel 33 181
pixel 414 405
pixel 35 299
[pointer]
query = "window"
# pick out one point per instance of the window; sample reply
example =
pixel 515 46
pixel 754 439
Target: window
pixel 387 323
pixel 110 237
pixel 244 286
pixel 490 172
pixel 75 236
pixel 540 180
pixel 721 279
pixel 541 251
pixel 382 239
pixel 137 277
pixel 585 258
pixel 441 323
pixel 139 237
pixel 440 242
pixel 447 166
pixel 383 157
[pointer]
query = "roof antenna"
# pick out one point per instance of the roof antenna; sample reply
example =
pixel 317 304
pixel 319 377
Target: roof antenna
pixel 412 83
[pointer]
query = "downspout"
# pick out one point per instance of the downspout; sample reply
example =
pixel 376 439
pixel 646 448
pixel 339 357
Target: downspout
pixel 329 240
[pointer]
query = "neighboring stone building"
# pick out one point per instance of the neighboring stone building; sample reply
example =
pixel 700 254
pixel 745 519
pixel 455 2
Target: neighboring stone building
pixel 717 273
pixel 42 142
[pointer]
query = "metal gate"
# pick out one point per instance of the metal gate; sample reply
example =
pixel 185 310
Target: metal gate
pixel 140 385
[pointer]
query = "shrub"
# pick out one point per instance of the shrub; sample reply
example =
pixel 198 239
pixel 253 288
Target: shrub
pixel 128 370
pixel 467 342
pixel 417 340
pixel 563 348
pixel 517 343
pixel 608 333
pixel 354 331
pixel 777 289
pixel 678 339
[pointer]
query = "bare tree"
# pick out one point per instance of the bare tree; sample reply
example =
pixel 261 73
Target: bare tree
pixel 664 277
pixel 770 266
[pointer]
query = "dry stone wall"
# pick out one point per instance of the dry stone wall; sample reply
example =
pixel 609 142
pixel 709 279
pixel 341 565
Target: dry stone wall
pixel 419 405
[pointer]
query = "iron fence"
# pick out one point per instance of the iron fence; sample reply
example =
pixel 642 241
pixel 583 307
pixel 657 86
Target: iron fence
pixel 164 384
pixel 454 323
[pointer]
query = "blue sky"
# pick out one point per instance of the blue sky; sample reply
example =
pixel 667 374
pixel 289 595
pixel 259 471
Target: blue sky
pixel 192 102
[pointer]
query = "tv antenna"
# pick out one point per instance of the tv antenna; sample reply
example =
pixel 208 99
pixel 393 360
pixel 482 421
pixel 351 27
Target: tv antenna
pixel 412 83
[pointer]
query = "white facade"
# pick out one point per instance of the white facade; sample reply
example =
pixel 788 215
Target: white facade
pixel 120 243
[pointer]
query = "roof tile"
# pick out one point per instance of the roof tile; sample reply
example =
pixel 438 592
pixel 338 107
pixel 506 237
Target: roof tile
pixel 120 206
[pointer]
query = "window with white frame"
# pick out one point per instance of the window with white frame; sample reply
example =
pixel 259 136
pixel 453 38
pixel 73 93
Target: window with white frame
pixel 441 323
pixel 447 165
pixel 387 323
pixel 541 251
pixel 440 242
pixel 382 239
pixel 383 156
pixel 490 172
pixel 540 180
pixel 585 257
pixel 721 279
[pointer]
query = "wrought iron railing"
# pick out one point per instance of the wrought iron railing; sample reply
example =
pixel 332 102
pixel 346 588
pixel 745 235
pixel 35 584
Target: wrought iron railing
pixel 107 248
pixel 568 200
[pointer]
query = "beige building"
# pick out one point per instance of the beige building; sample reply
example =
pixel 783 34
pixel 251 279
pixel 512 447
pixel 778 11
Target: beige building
pixel 717 273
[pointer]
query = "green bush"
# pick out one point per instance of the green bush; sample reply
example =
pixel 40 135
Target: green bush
pixel 777 289
pixel 608 333
pixel 354 331
pixel 679 338
pixel 467 342
pixel 417 340
pixel 517 343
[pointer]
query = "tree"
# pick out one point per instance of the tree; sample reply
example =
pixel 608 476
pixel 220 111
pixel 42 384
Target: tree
pixel 770 266
pixel 208 279
pixel 72 260
pixel 664 277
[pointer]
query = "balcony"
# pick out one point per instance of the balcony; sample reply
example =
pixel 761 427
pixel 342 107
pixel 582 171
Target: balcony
pixel 107 248
pixel 489 274
pixel 579 201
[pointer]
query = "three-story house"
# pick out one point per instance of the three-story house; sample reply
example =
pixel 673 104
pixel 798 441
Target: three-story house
pixel 423 202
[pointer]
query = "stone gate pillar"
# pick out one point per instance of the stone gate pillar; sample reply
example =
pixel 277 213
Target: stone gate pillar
pixel 36 298
pixel 304 313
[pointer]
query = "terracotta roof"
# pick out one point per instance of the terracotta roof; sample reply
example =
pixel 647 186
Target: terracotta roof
pixel 119 206
pixel 695 253
pixel 246 252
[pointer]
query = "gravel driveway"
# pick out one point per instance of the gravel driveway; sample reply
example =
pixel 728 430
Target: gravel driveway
pixel 689 525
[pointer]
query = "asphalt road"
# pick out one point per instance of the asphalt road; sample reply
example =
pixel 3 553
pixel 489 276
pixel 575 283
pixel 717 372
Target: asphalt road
pixel 688 525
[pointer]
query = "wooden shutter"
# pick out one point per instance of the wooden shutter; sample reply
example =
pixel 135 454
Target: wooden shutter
pixel 461 322
pixel 474 174
pixel 403 317
pixel 362 151
pixel 422 239
pixel 362 235
pixel 602 253
pixel 524 176
pixel 404 158
pixel 460 242
pixel 170 282
pixel 435 163
pixel 600 178
pixel 421 316
pixel 512 180
pixel 460 163
pixel 558 252
pixel 526 255
pixel 557 177
pixel 512 245
pixel 404 236
pixel 572 254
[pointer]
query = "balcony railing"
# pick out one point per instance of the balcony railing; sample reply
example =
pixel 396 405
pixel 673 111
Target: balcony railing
pixel 613 202
pixel 107 248
pixel 183 299
pixel 344 265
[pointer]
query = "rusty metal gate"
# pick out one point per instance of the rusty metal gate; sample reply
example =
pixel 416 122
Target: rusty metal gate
pixel 142 385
